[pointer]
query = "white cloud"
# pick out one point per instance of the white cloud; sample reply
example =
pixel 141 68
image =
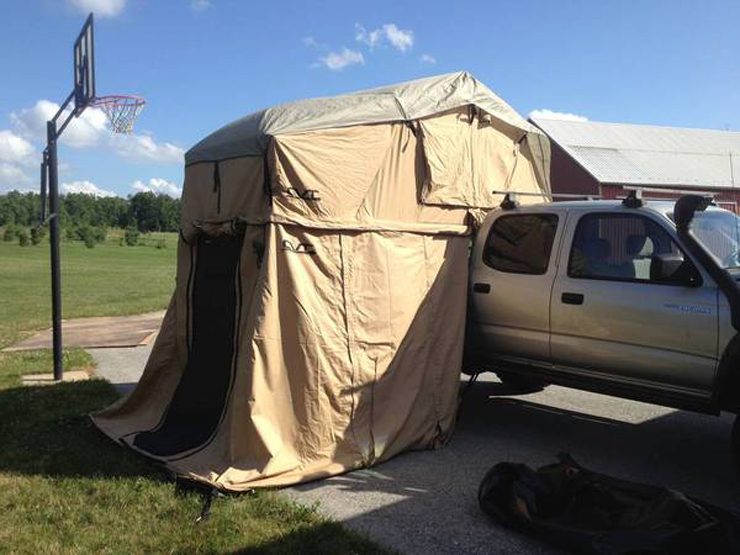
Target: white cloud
pixel 92 129
pixel 15 149
pixel 86 188
pixel 144 149
pixel 371 38
pixel 14 177
pixel 157 185
pixel 550 114
pixel 200 5
pixel 17 156
pixel 427 59
pixel 401 39
pixel 337 61
pixel 310 41
pixel 18 147
pixel 83 131
pixel 101 8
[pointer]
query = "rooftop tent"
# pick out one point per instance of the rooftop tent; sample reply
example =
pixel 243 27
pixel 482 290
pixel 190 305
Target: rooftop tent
pixel 317 322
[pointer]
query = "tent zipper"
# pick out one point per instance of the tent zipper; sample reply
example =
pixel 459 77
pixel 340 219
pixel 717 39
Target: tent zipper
pixel 266 176
pixel 217 187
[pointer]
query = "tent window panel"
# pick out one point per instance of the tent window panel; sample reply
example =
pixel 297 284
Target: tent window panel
pixel 497 158
pixel 447 145
pixel 521 244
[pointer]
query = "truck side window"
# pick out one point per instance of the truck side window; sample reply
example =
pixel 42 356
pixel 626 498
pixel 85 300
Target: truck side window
pixel 617 246
pixel 521 243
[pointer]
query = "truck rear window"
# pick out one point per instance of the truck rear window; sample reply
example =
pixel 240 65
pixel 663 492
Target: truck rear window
pixel 521 243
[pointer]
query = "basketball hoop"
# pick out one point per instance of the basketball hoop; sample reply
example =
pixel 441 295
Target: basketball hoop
pixel 122 110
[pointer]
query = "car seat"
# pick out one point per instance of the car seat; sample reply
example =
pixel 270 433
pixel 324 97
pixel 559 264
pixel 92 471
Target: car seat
pixel 640 249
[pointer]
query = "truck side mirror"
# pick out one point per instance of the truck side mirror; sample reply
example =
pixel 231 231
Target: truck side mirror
pixel 673 268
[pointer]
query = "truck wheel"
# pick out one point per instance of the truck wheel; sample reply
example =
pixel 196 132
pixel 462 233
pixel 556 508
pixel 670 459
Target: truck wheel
pixel 522 384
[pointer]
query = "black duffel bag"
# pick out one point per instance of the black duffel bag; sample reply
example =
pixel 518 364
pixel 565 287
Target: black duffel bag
pixel 586 512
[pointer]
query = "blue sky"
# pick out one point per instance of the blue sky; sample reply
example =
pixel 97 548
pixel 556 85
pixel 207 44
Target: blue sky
pixel 203 63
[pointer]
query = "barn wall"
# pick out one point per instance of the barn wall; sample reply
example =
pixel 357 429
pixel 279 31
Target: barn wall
pixel 567 176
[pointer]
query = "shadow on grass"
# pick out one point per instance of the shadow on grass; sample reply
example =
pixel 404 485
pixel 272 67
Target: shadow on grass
pixel 45 430
pixel 327 538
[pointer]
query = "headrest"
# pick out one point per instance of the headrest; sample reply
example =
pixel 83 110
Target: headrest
pixel 639 245
pixel 598 248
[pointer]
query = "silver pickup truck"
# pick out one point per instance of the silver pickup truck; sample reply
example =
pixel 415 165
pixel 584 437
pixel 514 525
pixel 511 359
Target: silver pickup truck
pixel 633 299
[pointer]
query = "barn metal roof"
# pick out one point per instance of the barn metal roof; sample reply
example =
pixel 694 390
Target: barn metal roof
pixel 627 154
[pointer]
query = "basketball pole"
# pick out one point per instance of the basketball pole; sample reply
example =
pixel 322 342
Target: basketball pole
pixel 56 279
pixel 51 172
pixel 83 94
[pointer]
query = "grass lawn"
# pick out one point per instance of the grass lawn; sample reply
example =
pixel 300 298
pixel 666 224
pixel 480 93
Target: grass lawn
pixel 64 487
pixel 107 280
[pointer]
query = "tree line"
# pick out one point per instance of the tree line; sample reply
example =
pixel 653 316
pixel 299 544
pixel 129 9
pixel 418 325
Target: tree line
pixel 143 212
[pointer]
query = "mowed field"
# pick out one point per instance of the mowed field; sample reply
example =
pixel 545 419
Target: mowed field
pixel 107 280
pixel 64 487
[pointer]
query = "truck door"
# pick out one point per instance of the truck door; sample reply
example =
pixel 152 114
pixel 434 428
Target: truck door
pixel 610 320
pixel 512 276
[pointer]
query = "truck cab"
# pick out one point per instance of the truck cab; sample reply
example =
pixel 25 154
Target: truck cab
pixel 611 297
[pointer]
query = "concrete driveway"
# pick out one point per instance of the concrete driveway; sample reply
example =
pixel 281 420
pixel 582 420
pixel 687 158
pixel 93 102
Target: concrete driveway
pixel 99 332
pixel 425 502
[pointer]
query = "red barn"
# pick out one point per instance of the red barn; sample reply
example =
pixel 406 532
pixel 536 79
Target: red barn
pixel 603 159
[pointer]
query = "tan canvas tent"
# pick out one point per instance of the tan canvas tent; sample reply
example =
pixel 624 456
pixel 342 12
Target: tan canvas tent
pixel 317 323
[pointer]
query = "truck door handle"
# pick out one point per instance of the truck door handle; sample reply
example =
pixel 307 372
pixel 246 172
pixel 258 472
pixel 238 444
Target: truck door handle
pixel 572 298
pixel 481 288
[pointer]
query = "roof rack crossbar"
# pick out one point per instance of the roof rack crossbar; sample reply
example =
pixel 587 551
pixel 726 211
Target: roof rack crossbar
pixel 668 191
pixel 554 195
pixel 509 202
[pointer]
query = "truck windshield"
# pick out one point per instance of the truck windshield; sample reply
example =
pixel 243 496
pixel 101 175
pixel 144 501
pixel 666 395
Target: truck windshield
pixel 719 232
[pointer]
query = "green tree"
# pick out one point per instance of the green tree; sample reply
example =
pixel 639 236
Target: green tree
pixel 11 233
pixel 168 210
pixel 150 212
pixel 23 239
pixel 99 233
pixel 132 235
pixel 145 210
pixel 80 209
pixel 85 233
pixel 37 234
pixel 114 211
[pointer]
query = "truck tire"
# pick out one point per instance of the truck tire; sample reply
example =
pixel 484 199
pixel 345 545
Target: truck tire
pixel 521 384
pixel 727 386
pixel 736 444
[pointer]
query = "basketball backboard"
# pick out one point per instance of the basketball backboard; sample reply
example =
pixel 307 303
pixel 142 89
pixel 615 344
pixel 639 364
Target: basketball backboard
pixel 84 66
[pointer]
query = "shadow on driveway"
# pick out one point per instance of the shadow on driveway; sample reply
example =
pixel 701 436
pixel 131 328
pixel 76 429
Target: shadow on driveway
pixel 425 502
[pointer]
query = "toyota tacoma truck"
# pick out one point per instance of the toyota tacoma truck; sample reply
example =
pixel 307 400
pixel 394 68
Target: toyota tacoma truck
pixel 636 299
